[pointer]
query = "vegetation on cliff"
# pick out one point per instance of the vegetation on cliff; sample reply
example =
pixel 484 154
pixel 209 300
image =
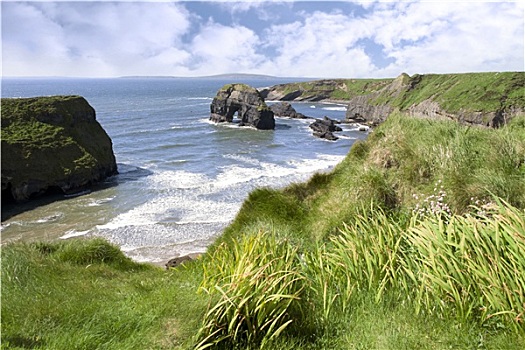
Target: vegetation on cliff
pixel 52 142
pixel 473 97
pixel 482 92
pixel 333 89
pixel 414 241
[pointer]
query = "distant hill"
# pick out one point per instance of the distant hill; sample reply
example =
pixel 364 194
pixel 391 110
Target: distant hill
pixel 228 76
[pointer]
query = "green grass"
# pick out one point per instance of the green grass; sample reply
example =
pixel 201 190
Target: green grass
pixel 415 241
pixel 86 294
pixel 422 279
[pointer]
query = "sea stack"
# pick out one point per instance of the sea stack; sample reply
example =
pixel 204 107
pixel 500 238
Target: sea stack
pixel 244 100
pixel 52 144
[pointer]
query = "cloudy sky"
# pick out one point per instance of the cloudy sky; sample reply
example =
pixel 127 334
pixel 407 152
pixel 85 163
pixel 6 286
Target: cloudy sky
pixel 282 38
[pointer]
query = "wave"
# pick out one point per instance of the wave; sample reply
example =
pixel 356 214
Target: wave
pixel 99 202
pixel 201 98
pixel 49 218
pixel 339 108
pixel 74 233
pixel 183 197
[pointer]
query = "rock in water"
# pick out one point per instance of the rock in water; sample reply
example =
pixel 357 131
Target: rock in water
pixel 52 144
pixel 324 128
pixel 285 109
pixel 244 100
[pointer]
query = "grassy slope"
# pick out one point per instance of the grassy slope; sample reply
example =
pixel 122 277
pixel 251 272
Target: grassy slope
pixel 85 294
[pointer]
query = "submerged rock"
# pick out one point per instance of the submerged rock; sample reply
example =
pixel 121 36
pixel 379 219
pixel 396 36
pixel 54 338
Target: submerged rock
pixel 52 144
pixel 244 100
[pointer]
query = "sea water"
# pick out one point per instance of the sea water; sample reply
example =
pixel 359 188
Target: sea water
pixel 181 179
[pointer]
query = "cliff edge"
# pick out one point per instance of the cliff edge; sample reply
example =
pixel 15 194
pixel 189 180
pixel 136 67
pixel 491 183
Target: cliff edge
pixel 52 144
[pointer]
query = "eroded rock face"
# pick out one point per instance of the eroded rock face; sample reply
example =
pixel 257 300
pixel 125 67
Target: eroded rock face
pixel 375 107
pixel 244 100
pixel 361 110
pixel 52 144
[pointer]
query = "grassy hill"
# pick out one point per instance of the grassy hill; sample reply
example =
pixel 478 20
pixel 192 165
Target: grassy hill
pixel 415 241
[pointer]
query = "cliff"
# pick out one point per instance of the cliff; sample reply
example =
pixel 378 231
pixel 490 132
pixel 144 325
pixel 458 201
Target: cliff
pixel 52 144
pixel 489 99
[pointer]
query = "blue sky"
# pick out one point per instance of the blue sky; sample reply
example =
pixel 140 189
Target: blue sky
pixel 332 39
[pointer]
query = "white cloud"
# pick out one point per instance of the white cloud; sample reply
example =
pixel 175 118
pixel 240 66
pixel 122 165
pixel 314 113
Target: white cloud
pixel 322 45
pixel 163 38
pixel 459 37
pixel 92 38
pixel 218 48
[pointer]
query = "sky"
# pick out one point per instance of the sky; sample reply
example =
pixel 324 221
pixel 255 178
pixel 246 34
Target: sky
pixel 315 39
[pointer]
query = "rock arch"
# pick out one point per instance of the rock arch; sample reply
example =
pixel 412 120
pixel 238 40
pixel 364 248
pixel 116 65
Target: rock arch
pixel 244 100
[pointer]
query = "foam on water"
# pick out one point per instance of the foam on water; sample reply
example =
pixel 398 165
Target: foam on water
pixel 192 207
pixel 73 233
pixel 98 202
pixel 335 108
pixel 182 178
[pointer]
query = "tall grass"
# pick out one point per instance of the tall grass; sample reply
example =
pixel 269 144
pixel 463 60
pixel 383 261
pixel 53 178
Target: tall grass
pixel 465 267
pixel 255 287
pixel 472 267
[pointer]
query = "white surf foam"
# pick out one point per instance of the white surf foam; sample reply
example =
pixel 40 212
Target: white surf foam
pixel 74 233
pixel 177 180
pixel 49 218
pixel 188 206
pixel 338 108
pixel 98 202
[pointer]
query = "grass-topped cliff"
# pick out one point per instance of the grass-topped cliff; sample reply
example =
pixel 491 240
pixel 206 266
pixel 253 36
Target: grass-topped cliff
pixel 52 143
pixel 415 241
pixel 477 98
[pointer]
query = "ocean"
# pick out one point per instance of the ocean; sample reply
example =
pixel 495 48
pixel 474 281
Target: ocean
pixel 181 179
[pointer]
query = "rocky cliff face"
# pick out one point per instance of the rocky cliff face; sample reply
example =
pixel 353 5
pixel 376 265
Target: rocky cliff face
pixel 244 100
pixel 52 144
pixel 405 96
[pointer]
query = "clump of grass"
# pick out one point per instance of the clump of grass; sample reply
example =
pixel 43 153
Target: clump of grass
pixel 472 266
pixel 255 287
